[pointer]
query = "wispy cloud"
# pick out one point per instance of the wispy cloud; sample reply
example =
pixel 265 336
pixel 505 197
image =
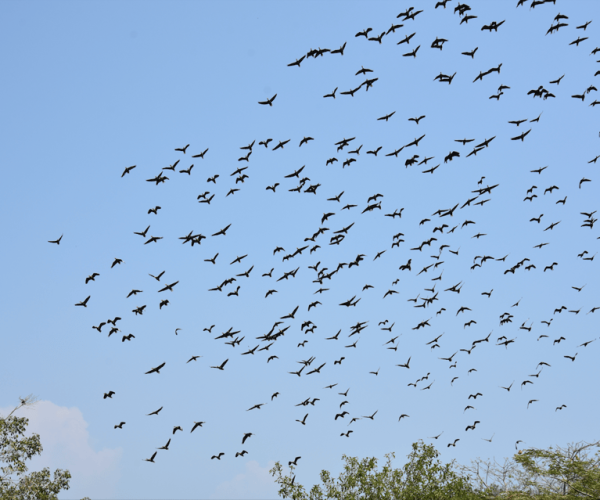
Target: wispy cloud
pixel 254 483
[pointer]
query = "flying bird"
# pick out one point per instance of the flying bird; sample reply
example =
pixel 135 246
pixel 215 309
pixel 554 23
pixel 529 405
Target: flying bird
pixel 84 302
pixel 269 101
pixel 221 366
pixel 156 369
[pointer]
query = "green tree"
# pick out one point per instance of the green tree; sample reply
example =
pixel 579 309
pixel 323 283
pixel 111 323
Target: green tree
pixel 423 477
pixel 561 472
pixel 15 449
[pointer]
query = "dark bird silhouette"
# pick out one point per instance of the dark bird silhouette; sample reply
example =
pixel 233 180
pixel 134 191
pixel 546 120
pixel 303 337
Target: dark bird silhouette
pixel 377 38
pixel 386 117
pixel 406 365
pixel 269 101
pixel 201 155
pixel 471 53
pixel 128 170
pixel 340 50
pixel 412 53
pixel 303 421
pixel 364 33
pixel 296 63
pixel 332 94
pixel 168 287
pixel 578 41
pixel 221 366
pixel 520 137
pixel 84 302
pixel 91 277
pixel 393 28
pixel 281 145
pixel 472 427
pixel 406 39
pixel 416 119
pixel 222 231
pixel 156 369
pixel 493 26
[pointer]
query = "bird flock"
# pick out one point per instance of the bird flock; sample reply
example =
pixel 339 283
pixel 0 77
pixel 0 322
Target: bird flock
pixel 413 267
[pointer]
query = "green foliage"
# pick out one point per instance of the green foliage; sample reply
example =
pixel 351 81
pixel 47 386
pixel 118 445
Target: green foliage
pixel 15 450
pixel 550 474
pixel 423 477
pixel 565 473
pixel 541 474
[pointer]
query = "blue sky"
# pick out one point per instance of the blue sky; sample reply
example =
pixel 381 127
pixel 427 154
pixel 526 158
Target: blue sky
pixel 92 88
